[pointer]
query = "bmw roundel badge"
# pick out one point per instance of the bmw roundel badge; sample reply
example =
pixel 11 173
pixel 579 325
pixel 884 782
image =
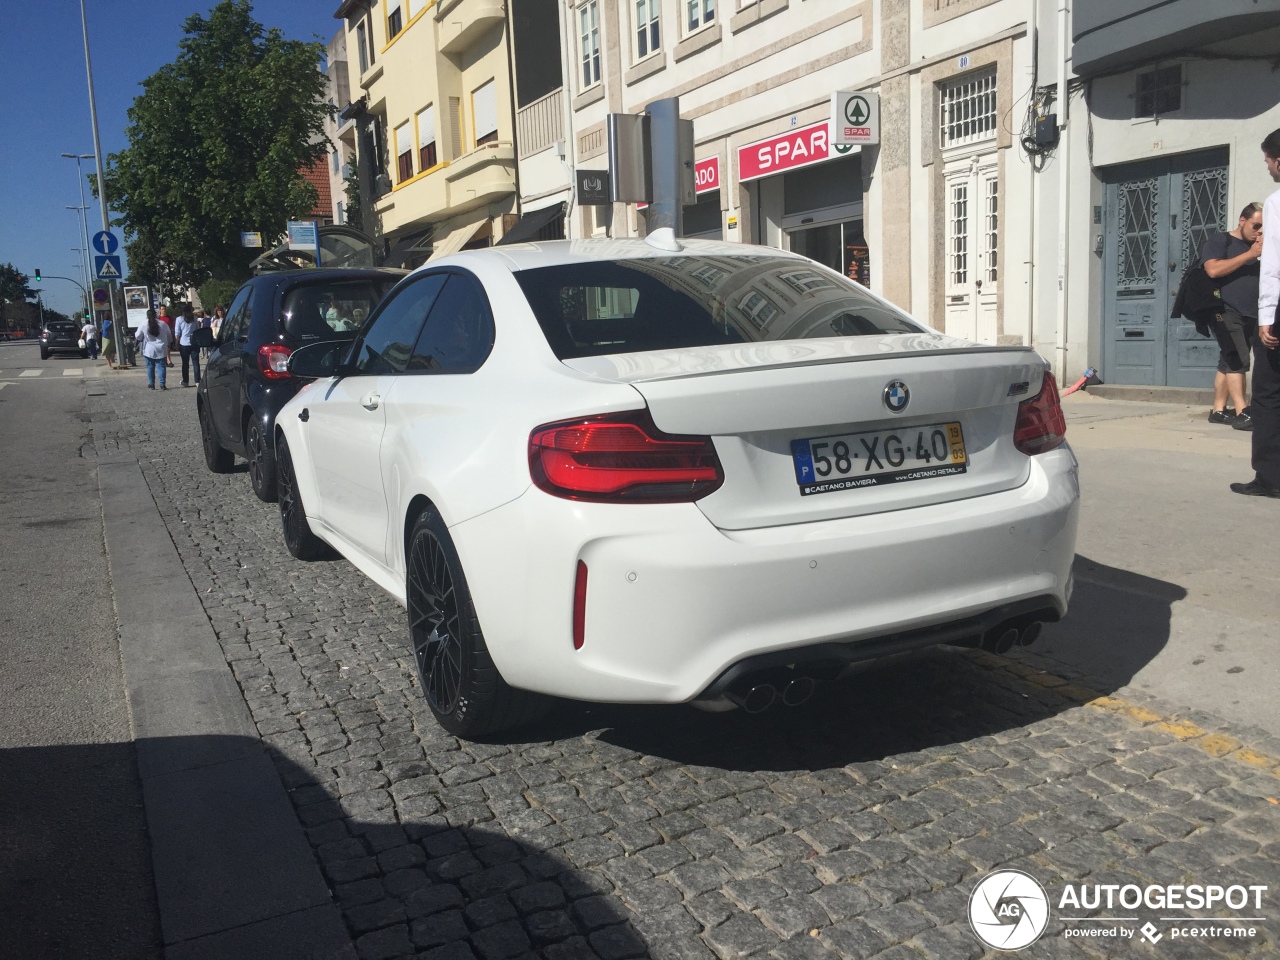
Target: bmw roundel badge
pixel 896 396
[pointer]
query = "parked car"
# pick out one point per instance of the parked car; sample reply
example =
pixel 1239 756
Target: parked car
pixel 246 379
pixel 60 336
pixel 674 471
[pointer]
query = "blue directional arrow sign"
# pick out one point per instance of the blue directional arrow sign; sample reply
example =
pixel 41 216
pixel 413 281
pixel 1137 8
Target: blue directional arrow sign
pixel 107 268
pixel 106 242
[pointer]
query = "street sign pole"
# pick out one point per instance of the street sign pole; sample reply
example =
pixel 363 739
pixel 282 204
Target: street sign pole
pixel 102 181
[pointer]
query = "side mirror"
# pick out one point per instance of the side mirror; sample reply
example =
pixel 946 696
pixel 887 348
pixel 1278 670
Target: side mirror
pixel 316 361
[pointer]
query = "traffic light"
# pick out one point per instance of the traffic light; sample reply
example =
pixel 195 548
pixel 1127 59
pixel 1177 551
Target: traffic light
pixel 37 274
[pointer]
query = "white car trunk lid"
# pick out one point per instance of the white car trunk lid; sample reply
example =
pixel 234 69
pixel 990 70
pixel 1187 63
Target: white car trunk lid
pixel 754 400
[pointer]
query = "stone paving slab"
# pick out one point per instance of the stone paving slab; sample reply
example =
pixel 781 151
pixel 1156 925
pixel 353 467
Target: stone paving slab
pixel 855 826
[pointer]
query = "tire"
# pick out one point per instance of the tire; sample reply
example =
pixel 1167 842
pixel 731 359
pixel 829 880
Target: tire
pixel 301 543
pixel 216 459
pixel 44 354
pixel 463 688
pixel 262 462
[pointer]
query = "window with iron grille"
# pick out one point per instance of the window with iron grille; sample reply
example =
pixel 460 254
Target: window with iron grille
pixel 589 22
pixel 648 38
pixel 968 109
pixel 959 217
pixel 1159 92
pixel 992 227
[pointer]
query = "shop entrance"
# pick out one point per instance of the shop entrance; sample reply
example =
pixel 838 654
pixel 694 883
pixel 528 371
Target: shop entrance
pixel 971 188
pixel 822 216
pixel 838 244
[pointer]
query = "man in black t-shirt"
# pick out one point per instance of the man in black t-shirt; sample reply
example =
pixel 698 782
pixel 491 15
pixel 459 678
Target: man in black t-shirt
pixel 1232 260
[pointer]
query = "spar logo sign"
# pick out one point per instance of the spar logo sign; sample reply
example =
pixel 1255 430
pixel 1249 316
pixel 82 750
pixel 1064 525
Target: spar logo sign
pixel 1008 910
pixel 855 118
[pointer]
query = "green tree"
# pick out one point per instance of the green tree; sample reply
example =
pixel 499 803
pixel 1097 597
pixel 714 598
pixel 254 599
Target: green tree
pixel 217 143
pixel 13 289
pixel 351 187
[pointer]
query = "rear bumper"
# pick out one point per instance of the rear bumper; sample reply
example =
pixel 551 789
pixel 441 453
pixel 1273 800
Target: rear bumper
pixel 673 603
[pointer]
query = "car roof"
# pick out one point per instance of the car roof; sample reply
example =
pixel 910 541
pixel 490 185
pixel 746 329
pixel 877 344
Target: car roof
pixel 528 256
pixel 323 274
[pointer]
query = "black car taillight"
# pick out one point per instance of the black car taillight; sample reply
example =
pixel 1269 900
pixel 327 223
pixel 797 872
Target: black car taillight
pixel 273 360
pixel 622 458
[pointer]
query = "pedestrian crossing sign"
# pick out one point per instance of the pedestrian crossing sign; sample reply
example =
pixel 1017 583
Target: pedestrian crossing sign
pixel 107 267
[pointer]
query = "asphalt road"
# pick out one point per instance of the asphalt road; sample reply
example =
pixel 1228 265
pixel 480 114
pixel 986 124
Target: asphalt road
pixel 75 871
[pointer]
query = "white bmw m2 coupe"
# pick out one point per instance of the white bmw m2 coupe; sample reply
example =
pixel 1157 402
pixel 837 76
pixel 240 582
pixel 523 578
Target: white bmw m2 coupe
pixel 671 471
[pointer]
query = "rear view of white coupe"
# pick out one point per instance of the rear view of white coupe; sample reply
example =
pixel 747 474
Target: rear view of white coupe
pixel 674 471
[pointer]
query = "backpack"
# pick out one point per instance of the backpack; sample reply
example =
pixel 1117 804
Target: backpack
pixel 1199 299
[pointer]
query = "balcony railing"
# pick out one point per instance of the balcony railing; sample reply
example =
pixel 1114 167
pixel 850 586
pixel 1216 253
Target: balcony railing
pixel 540 124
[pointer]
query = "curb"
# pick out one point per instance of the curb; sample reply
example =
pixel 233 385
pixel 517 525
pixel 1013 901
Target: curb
pixel 234 872
pixel 1215 744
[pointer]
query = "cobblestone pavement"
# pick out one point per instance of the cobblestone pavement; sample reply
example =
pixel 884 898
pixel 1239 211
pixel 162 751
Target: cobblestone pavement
pixel 855 826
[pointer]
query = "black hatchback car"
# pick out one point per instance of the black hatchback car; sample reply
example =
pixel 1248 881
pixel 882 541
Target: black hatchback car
pixel 60 336
pixel 246 380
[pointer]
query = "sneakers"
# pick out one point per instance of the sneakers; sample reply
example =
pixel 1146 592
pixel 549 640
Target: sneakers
pixel 1256 488
pixel 1222 416
pixel 163 387
pixel 151 386
pixel 1243 421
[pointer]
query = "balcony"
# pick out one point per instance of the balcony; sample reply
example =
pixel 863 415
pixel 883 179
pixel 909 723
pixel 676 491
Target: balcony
pixel 485 174
pixel 463 22
pixel 540 124
pixel 1114 35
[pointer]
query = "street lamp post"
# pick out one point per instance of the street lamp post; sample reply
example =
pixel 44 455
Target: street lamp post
pixel 83 249
pixel 84 223
pixel 116 330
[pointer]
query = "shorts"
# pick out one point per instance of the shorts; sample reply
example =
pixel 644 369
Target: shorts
pixel 1235 335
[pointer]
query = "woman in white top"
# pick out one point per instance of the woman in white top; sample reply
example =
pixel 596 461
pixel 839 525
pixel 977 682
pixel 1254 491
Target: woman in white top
pixel 155 338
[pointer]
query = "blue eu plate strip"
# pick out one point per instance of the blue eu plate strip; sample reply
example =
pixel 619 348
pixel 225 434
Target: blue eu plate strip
pixel 803 459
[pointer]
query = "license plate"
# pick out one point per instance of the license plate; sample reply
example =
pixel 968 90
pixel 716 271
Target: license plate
pixel 852 460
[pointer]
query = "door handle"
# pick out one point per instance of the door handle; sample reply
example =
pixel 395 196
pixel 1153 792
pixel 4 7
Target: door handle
pixel 371 401
pixel 304 415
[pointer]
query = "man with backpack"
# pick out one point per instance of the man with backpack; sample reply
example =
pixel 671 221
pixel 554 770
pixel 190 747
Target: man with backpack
pixel 1231 259
pixel 1266 349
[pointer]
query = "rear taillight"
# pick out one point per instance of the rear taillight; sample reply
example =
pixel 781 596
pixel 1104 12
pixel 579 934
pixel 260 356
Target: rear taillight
pixel 580 606
pixel 1041 424
pixel 273 360
pixel 622 458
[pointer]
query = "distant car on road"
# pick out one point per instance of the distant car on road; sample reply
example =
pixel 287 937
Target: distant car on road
pixel 246 379
pixel 674 471
pixel 60 336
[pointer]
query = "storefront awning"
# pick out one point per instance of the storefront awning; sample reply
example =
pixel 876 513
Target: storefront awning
pixel 528 226
pixel 456 239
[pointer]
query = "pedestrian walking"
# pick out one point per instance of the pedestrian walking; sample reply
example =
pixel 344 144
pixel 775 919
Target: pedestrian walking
pixel 1232 260
pixel 185 327
pixel 1265 409
pixel 168 321
pixel 108 344
pixel 155 338
pixel 219 315
pixel 90 334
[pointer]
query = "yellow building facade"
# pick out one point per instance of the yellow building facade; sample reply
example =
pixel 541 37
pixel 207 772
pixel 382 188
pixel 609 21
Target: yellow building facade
pixel 431 81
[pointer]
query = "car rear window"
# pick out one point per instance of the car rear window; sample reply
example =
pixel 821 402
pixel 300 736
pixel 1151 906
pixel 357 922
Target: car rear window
pixel 331 309
pixel 63 327
pixel 664 303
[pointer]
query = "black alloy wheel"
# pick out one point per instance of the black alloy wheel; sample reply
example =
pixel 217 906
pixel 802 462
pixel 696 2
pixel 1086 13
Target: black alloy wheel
pixel 301 543
pixel 262 462
pixel 216 459
pixel 462 686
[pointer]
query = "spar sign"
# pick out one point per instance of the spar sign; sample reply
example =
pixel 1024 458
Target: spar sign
pixel 855 118
pixel 787 151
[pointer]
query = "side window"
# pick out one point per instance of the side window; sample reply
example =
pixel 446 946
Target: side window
pixel 237 324
pixel 386 346
pixel 458 335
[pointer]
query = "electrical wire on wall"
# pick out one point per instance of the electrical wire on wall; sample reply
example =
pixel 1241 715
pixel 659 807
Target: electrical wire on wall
pixel 1039 133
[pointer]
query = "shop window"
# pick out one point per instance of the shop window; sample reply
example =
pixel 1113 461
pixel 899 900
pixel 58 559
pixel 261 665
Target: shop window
pixel 968 109
pixel 1159 92
pixel 589 31
pixel 648 36
pixel 484 113
pixel 395 19
pixel 404 153
pixel 427 138
pixel 700 14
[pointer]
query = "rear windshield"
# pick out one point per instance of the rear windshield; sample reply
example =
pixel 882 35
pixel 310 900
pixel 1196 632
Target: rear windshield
pixel 331 309
pixel 665 303
pixel 62 326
